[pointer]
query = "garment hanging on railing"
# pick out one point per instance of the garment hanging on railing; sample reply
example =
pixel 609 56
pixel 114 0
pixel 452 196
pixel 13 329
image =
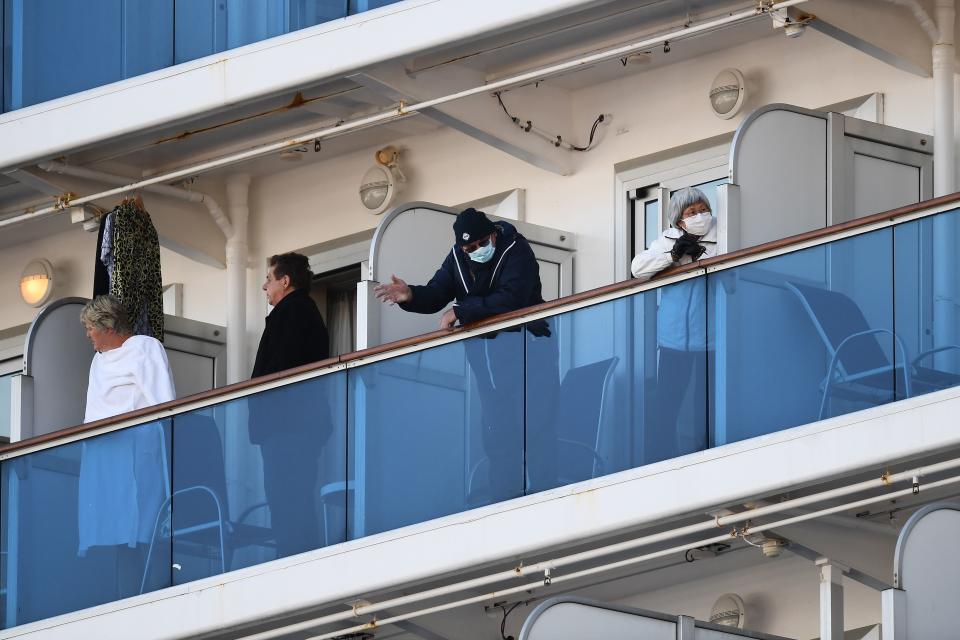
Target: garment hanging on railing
pixel 128 260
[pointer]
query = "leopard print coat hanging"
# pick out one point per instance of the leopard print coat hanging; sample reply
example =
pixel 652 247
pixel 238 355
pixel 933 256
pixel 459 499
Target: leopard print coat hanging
pixel 136 279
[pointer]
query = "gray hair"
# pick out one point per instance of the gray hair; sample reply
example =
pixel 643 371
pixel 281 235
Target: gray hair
pixel 107 314
pixel 683 198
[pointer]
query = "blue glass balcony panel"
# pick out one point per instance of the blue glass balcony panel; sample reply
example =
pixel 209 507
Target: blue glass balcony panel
pixel 710 360
pixel 616 385
pixel 259 478
pixel 436 432
pixel 76 523
pixel 812 329
pixel 927 292
pixel 53 48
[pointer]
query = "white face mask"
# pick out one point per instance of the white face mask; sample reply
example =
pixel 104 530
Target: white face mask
pixel 699 224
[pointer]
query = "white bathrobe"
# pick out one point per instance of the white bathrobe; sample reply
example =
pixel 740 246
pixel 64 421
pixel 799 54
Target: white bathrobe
pixel 124 477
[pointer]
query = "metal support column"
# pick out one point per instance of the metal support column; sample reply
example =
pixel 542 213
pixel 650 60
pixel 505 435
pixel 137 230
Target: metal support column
pixel 831 601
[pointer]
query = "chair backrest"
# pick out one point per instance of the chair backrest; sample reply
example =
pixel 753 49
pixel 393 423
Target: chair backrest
pixel 580 415
pixel 837 317
pixel 197 462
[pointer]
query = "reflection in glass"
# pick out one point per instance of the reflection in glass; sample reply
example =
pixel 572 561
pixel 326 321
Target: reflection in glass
pixel 252 478
pixel 812 329
pixel 927 289
pixel 436 432
pixel 80 516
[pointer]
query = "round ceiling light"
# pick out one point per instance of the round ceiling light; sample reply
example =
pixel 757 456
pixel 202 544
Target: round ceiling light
pixel 729 611
pixel 727 93
pixel 36 282
pixel 382 182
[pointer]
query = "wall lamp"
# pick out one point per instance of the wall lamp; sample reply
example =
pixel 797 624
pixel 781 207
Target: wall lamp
pixel 36 282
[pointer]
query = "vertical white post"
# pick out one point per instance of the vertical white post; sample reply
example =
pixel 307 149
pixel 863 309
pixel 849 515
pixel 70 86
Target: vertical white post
pixel 944 159
pixel 944 175
pixel 831 601
pixel 893 620
pixel 238 190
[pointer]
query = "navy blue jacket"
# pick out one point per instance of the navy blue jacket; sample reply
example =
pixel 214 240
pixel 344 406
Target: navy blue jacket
pixel 510 280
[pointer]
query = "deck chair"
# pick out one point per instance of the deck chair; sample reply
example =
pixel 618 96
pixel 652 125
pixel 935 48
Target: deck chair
pixel 579 421
pixel 863 372
pixel 196 514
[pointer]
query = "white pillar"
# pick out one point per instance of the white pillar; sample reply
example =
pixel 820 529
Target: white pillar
pixel 893 619
pixel 944 158
pixel 831 601
pixel 944 175
pixel 238 190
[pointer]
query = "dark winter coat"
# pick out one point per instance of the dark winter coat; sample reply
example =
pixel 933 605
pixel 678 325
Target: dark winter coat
pixel 294 335
pixel 510 280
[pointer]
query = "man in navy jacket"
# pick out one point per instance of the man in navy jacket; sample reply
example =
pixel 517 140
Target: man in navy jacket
pixel 490 270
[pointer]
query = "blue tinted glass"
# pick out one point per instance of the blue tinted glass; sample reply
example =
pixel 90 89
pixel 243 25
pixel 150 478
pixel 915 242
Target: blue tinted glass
pixel 927 288
pixel 5 402
pixel 116 39
pixel 576 429
pixel 436 432
pixel 821 318
pixel 306 13
pixel 651 222
pixel 78 521
pixel 356 6
pixel 670 369
pixel 259 478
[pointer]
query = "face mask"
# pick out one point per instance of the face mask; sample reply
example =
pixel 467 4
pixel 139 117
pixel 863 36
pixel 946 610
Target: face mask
pixel 482 254
pixel 699 224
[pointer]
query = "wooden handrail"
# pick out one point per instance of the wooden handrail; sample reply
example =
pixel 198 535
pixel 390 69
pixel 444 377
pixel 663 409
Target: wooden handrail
pixel 799 239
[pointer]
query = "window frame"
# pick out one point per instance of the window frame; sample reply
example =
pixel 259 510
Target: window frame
pixel 669 170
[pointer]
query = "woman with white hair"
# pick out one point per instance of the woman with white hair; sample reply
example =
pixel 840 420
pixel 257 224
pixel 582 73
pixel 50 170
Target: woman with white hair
pixel 681 327
pixel 124 475
pixel 692 235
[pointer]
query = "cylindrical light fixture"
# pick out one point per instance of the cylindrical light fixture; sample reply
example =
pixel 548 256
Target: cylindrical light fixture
pixel 727 93
pixel 36 282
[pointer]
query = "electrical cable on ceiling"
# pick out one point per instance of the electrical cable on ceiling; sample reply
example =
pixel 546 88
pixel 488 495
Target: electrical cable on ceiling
pixel 557 141
pixel 503 623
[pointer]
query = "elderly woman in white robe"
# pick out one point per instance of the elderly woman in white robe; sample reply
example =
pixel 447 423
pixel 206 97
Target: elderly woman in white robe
pixel 124 477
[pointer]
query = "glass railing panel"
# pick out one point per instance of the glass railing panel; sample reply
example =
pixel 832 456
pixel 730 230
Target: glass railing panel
pixel 812 329
pixel 436 432
pixel 76 523
pixel 616 385
pixel 927 296
pixel 258 478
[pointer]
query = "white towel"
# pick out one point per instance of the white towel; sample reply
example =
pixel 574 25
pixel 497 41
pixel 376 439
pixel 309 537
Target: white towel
pixel 123 475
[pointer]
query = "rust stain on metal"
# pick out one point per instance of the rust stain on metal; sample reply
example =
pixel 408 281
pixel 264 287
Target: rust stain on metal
pixel 296 102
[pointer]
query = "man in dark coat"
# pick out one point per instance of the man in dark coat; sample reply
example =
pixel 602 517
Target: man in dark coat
pixel 290 432
pixel 492 270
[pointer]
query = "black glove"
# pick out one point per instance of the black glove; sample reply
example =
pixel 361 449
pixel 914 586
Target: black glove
pixel 687 245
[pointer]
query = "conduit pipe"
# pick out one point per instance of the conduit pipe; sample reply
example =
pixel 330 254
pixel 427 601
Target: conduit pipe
pixel 404 110
pixel 238 191
pixel 545 568
pixel 161 189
